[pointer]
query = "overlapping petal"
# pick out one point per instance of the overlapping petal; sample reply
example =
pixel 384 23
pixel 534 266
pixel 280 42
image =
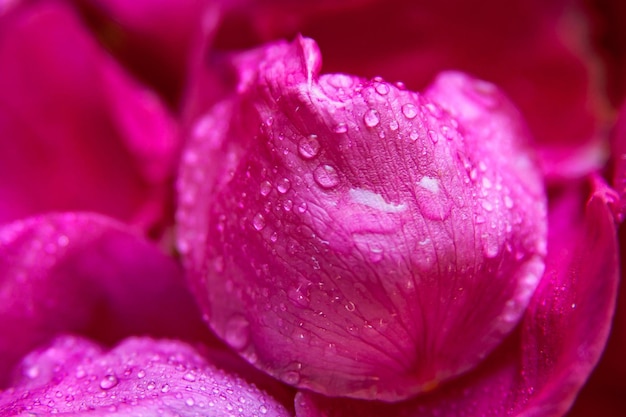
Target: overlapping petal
pixel 139 377
pixel 539 370
pixel 86 273
pixel 345 245
pixel 77 133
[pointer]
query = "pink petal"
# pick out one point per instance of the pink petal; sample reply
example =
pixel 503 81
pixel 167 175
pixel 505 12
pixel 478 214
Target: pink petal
pixel 350 244
pixel 155 38
pixel 76 132
pixel 618 145
pixel 533 50
pixel 541 367
pixel 139 377
pixel 89 274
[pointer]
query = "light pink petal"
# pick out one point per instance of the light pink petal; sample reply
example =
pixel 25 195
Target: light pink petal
pixel 88 274
pixel 541 367
pixel 76 132
pixel 355 238
pixel 139 377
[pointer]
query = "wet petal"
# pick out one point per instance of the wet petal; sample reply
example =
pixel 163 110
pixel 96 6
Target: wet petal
pixel 349 244
pixel 139 377
pixel 76 132
pixel 541 367
pixel 89 274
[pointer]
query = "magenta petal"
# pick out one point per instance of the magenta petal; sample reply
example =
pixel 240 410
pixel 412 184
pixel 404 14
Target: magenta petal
pixel 76 132
pixel 85 273
pixel 618 145
pixel 155 39
pixel 539 370
pixel 365 240
pixel 140 377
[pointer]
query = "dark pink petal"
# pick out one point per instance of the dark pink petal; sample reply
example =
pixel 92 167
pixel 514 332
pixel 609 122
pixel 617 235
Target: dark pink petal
pixel 541 367
pixel 76 132
pixel 89 274
pixel 365 240
pixel 619 158
pixel 155 39
pixel 533 50
pixel 139 377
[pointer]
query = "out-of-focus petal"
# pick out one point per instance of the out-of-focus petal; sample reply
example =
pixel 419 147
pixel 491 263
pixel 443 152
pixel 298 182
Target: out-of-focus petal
pixel 533 50
pixel 88 274
pixel 139 377
pixel 345 245
pixel 76 132
pixel 618 145
pixel 539 370
pixel 154 39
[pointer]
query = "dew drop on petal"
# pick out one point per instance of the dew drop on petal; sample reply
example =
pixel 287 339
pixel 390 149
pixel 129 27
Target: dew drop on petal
pixel 341 128
pixel 258 222
pixel 371 118
pixel 108 382
pixel 265 188
pixel 309 147
pixel 409 110
pixel 237 332
pixel 283 185
pixel 393 125
pixel 382 89
pixel 326 176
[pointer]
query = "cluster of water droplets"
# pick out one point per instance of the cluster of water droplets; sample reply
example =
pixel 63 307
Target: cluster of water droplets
pixel 169 378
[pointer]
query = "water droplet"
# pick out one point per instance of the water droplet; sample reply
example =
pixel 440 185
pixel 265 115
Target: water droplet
pixel 263 409
pixel 258 222
pixel 309 147
pixel 508 202
pixel 269 121
pixel 108 382
pixel 393 125
pixel 165 388
pixel 409 110
pixel 151 385
pixel 413 135
pixel 302 207
pixel 486 183
pixel 287 205
pixel 265 188
pixel 283 185
pixel 400 85
pixel 291 377
pixel 189 377
pixel 237 331
pixel 341 128
pixel 376 255
pixel 326 176
pixel 371 118
pixel 382 89
pixel 434 110
pixel 190 402
pixel 433 136
pixel 274 237
pixel 350 306
pixel 487 206
pixel 141 374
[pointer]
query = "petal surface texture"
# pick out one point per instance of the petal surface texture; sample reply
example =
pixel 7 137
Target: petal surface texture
pixel 87 274
pixel 540 368
pixel 139 377
pixel 354 238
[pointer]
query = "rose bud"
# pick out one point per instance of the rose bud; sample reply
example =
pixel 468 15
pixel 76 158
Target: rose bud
pixel 139 377
pixel 354 238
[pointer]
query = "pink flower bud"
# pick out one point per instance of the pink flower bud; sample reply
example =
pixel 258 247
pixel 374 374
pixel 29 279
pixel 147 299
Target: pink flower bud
pixel 355 238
